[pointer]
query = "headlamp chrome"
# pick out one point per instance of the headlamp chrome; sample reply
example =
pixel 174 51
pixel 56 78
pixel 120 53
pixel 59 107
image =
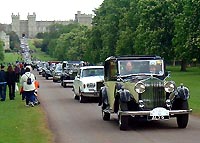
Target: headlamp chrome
pixel 169 86
pixel 140 87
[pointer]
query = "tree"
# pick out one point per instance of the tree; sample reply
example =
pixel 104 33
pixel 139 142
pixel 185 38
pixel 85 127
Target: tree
pixel 1 50
pixel 187 33
pixel 155 30
pixel 14 40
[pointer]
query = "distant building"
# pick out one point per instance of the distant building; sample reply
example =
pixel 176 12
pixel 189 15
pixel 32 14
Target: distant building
pixel 6 39
pixel 31 27
pixel 85 19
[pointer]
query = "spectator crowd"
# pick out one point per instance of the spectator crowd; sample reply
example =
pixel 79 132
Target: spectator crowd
pixel 12 76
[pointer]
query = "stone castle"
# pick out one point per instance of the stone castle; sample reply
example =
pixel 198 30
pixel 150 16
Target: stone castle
pixel 31 27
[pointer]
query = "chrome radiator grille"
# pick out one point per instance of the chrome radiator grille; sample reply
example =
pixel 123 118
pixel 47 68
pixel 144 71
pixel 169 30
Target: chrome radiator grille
pixel 154 95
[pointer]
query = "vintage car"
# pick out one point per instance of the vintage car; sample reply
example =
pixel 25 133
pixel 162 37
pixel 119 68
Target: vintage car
pixel 57 73
pixel 48 71
pixel 88 82
pixel 138 87
pixel 69 71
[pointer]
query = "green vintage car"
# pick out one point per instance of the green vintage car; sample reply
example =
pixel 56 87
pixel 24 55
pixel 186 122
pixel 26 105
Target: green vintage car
pixel 139 87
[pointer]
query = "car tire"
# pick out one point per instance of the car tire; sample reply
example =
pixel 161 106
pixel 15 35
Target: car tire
pixel 105 116
pixel 182 119
pixel 64 85
pixel 82 99
pixel 123 122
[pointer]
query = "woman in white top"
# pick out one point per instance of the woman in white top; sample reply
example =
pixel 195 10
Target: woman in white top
pixel 28 86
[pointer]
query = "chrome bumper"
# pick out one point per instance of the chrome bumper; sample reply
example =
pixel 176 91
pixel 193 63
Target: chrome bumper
pixel 68 81
pixel 147 113
pixel 90 94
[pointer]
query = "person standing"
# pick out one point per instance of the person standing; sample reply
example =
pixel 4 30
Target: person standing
pixel 11 81
pixel 17 71
pixel 2 83
pixel 27 83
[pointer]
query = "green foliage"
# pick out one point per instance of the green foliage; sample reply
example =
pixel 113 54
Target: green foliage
pixel 37 43
pixel 168 28
pixel 38 54
pixel 14 41
pixel 12 57
pixel 187 32
pixel 1 51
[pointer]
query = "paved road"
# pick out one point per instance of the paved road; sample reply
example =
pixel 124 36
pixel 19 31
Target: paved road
pixel 74 122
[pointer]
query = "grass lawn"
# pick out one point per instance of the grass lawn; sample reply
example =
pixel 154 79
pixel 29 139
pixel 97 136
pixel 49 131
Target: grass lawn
pixel 11 58
pixel 20 124
pixel 190 79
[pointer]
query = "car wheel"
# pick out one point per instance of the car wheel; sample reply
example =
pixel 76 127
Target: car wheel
pixel 82 99
pixel 123 122
pixel 64 85
pixel 105 116
pixel 182 119
pixel 47 77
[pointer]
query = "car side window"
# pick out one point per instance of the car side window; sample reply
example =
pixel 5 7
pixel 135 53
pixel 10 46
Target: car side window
pixel 110 70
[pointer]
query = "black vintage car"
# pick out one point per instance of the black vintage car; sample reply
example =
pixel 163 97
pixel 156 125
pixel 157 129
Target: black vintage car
pixel 47 71
pixel 138 87
pixel 69 71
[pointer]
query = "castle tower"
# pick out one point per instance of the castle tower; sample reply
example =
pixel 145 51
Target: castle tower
pixel 84 19
pixel 32 29
pixel 15 23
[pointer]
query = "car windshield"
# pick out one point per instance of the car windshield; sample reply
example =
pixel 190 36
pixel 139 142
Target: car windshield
pixel 140 67
pixel 93 72
pixel 58 67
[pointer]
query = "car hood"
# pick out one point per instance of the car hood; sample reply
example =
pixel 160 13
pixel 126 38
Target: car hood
pixel 92 79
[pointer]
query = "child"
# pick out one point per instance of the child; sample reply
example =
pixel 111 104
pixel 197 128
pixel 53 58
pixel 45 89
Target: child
pixel 21 93
pixel 37 85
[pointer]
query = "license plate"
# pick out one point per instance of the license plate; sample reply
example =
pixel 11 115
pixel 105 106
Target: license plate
pixel 159 113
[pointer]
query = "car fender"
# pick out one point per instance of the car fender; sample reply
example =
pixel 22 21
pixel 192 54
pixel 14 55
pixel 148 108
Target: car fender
pixel 182 92
pixel 103 96
pixel 124 95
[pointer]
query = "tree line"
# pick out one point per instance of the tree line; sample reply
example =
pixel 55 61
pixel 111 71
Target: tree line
pixel 168 28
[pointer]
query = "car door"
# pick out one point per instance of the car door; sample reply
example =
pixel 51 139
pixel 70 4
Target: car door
pixel 76 83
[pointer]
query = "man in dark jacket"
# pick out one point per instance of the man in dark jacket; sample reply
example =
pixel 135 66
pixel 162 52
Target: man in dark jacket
pixel 2 83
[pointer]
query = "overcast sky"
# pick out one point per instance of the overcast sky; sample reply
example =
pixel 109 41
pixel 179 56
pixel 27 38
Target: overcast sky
pixel 46 9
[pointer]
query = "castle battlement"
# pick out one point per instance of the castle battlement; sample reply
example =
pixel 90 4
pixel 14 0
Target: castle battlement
pixel 13 16
pixel 31 27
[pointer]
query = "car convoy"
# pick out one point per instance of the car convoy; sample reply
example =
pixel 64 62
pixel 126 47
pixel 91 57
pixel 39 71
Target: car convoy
pixel 132 87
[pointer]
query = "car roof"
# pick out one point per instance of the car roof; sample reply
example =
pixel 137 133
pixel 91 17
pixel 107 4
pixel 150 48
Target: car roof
pixel 134 57
pixel 91 67
pixel 73 62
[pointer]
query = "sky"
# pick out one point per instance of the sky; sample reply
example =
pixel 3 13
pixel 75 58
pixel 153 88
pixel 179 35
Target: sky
pixel 46 9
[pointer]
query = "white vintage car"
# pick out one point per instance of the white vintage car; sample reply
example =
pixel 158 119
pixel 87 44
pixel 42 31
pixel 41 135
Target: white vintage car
pixel 88 82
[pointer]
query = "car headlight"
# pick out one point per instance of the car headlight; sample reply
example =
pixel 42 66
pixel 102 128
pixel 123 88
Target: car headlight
pixel 169 86
pixel 90 85
pixel 58 74
pixel 140 87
